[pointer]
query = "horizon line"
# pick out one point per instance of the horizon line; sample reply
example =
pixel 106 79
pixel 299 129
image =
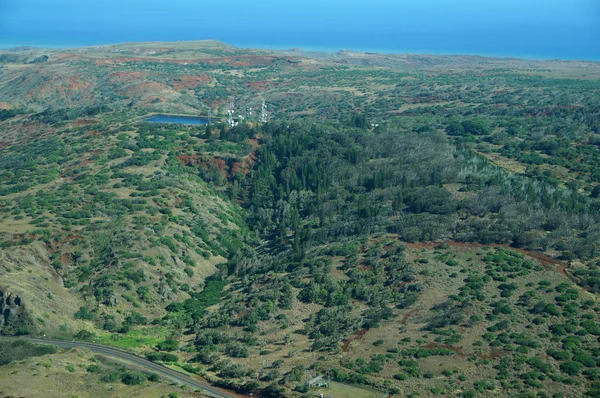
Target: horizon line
pixel 303 48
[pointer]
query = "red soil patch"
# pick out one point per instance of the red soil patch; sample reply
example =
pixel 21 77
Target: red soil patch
pixel 239 167
pixel 246 166
pixel 93 133
pixel 562 268
pixel 83 122
pixel 544 259
pixel 188 160
pixel 493 353
pixel 76 83
pixel 357 336
pixel 362 267
pixel 220 163
pixel 405 317
pixel 196 160
pixel 189 82
pixel 65 259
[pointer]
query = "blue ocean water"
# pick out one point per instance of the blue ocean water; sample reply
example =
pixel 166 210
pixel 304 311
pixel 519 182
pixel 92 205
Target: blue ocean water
pixel 520 28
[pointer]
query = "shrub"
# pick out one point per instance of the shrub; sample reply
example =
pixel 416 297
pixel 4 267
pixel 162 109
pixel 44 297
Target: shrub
pixel 162 357
pixel 84 313
pixel 110 377
pixel 571 368
pixel 93 368
pixel 168 345
pixel 134 378
pixel 236 350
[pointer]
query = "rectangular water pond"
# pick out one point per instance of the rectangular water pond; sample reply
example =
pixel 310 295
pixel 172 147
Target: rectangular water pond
pixel 176 119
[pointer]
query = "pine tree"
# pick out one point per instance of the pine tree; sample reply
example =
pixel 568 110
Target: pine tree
pixel 298 249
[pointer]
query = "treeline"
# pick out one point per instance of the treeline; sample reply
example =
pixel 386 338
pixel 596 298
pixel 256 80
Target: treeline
pixel 6 114
pixel 51 116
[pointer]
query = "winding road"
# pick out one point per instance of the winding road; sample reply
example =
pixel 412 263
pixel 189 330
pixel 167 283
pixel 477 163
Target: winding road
pixel 124 356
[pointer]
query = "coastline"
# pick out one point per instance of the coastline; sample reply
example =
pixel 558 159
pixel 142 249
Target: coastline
pixel 307 48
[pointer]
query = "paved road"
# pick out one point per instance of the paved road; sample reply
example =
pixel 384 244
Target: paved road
pixel 162 371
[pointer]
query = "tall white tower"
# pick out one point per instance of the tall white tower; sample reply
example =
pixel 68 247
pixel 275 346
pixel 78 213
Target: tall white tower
pixel 230 112
pixel 263 114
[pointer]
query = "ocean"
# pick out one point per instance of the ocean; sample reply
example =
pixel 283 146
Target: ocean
pixel 547 29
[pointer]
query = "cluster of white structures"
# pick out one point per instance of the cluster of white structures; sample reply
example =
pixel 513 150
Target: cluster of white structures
pixel 233 120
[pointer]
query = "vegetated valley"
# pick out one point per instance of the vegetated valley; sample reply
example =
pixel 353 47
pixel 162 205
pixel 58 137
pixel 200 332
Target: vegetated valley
pixel 404 225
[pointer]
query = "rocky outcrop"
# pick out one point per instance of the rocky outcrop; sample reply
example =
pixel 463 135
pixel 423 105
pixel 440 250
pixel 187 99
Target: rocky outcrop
pixel 165 291
pixel 14 318
pixel 111 299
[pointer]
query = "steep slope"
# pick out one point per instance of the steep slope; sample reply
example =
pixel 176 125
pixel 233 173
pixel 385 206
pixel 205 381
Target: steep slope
pixel 108 224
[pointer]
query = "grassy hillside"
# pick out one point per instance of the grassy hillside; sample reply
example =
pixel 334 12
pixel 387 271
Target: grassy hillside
pixel 411 225
pixel 110 222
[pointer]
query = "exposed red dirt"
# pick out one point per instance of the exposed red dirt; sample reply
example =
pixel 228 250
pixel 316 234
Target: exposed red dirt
pixel 219 163
pixel 188 160
pixel 239 167
pixel 84 122
pixel 357 336
pixel 562 268
pixel 78 83
pixel 362 267
pixel 93 133
pixel 65 259
pixel 197 160
pixel 84 163
pixel 189 82
pixel 493 353
pixel 242 167
pixel 405 317
pixel 544 259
